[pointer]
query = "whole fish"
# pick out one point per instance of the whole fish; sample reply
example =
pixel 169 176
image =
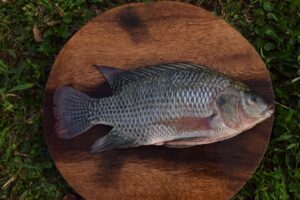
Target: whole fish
pixel 176 105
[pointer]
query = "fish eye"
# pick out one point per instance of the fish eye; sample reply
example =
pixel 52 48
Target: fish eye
pixel 252 99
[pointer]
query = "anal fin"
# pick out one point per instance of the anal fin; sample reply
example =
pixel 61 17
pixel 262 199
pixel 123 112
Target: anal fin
pixel 113 140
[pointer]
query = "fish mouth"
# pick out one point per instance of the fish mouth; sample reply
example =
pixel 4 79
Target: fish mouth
pixel 268 111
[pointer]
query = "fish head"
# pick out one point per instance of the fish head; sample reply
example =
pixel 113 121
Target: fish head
pixel 253 109
pixel 241 109
pixel 255 106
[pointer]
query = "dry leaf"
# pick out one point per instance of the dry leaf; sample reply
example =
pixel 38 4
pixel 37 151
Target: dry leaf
pixel 95 9
pixel 69 197
pixel 59 10
pixel 52 23
pixel 37 33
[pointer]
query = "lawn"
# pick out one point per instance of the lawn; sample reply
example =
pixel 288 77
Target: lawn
pixel 31 35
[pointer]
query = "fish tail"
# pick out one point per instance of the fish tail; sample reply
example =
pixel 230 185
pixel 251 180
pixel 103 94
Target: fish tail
pixel 72 112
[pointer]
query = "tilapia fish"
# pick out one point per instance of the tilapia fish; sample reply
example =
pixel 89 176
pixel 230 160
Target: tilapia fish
pixel 176 105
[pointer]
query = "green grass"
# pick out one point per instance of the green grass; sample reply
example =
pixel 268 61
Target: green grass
pixel 26 170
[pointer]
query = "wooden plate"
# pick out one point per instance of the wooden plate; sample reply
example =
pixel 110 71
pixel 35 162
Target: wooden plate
pixel 142 34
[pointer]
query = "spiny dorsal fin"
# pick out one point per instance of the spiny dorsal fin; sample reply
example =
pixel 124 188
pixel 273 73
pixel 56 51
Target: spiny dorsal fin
pixel 118 78
pixel 109 73
pixel 142 72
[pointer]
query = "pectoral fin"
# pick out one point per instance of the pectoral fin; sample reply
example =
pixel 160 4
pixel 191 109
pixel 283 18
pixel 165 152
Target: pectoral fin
pixel 187 124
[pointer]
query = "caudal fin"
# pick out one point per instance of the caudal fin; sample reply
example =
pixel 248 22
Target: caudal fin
pixel 71 111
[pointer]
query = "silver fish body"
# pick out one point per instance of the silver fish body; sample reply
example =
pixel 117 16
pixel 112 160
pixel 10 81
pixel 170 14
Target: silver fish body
pixel 176 105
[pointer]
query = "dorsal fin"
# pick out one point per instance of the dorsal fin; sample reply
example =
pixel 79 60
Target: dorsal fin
pixel 117 78
pixel 142 72
pixel 109 73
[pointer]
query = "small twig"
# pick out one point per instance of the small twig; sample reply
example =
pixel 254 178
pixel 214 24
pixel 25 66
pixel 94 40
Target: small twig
pixel 20 154
pixel 10 180
pixel 296 79
pixel 284 106
pixel 12 95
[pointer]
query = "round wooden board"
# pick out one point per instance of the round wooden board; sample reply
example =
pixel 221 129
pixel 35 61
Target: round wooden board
pixel 143 34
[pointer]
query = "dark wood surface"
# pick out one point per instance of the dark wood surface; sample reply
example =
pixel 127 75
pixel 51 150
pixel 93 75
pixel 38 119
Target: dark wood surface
pixel 142 34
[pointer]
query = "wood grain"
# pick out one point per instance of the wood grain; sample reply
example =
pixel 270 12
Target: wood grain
pixel 142 34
